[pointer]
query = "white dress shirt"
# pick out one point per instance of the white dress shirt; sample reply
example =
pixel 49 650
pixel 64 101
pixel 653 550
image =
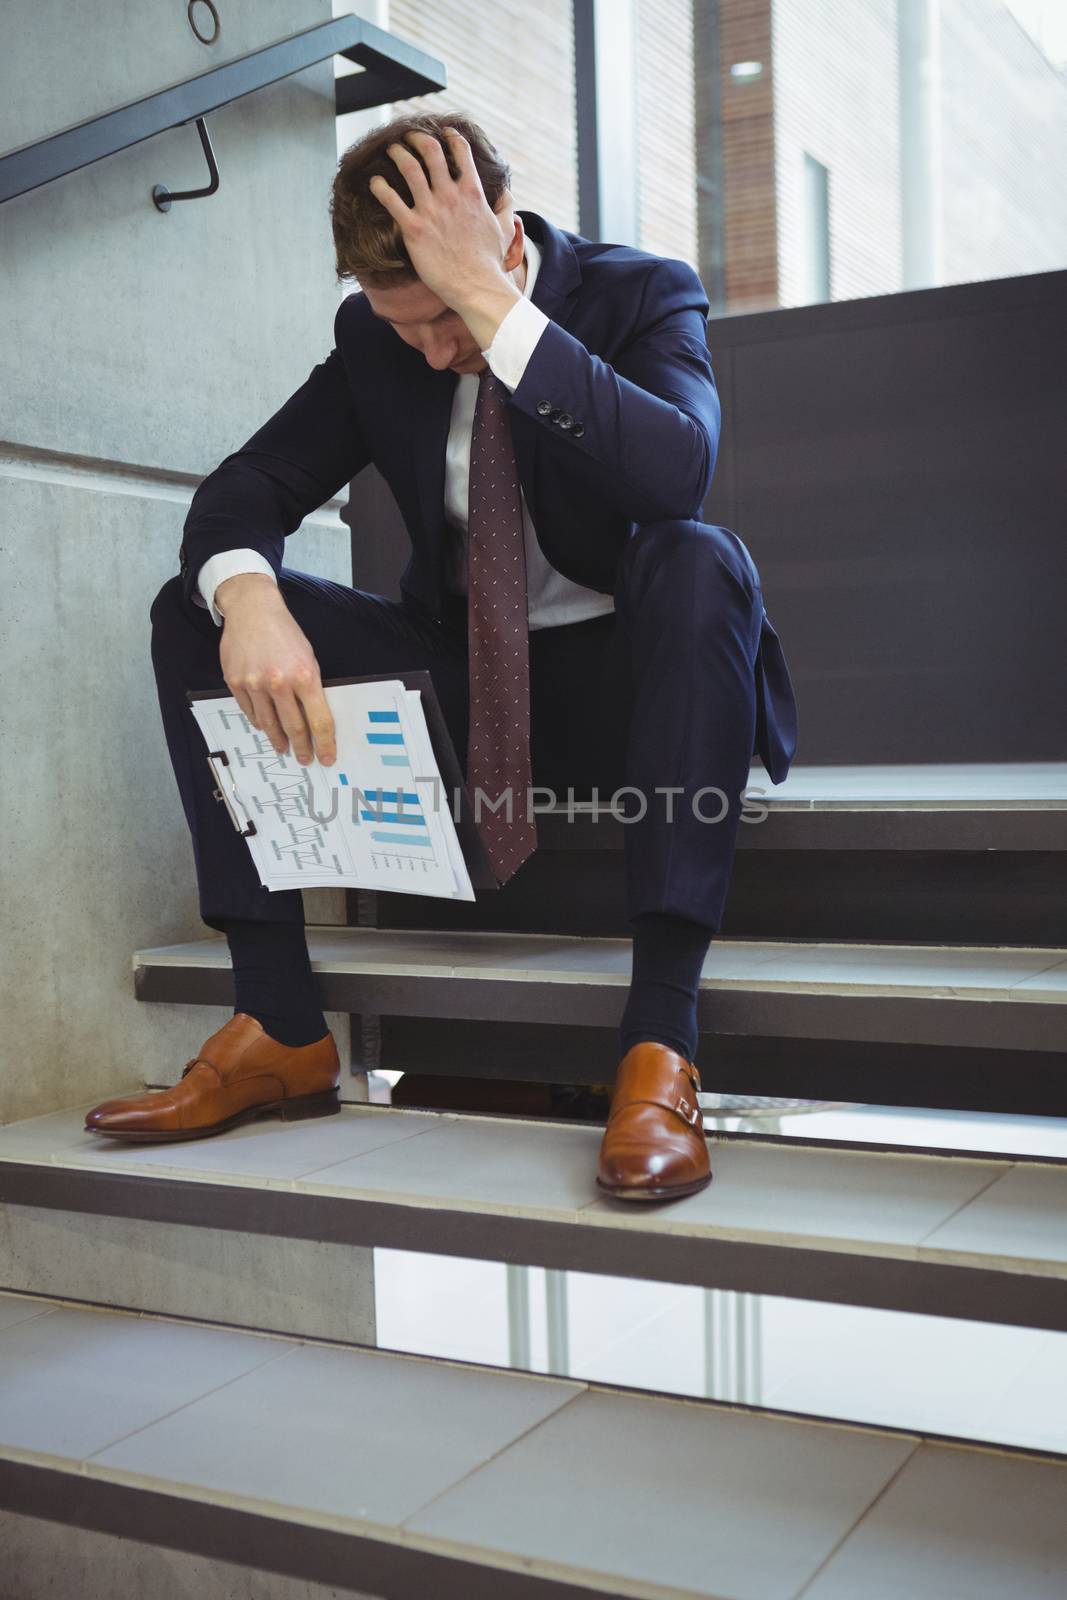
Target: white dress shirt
pixel 552 599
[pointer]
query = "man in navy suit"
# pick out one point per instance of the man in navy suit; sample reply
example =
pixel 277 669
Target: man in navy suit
pixel 544 410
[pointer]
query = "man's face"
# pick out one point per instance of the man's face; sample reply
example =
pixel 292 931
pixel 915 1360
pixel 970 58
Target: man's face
pixel 427 324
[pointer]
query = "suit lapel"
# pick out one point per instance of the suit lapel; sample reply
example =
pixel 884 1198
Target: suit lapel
pixel 559 274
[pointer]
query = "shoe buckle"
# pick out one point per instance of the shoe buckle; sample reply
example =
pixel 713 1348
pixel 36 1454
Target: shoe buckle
pixel 691 1113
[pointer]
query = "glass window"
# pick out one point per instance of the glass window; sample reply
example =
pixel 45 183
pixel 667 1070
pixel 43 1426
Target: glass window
pixel 861 147
pixel 816 229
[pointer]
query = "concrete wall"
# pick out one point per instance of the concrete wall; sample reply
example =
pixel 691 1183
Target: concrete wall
pixel 46 1559
pixel 136 350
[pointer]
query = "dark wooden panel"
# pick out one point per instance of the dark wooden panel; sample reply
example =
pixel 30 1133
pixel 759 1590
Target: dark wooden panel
pixel 916 897
pixel 898 475
pixel 540 898
pixel 910 897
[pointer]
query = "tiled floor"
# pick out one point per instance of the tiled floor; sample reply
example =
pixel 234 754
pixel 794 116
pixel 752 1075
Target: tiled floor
pixel 74 1381
pixel 952 1377
pixel 352 1433
pixel 573 1486
pixel 940 1498
pixel 1014 1218
pixel 778 1193
pixel 555 1474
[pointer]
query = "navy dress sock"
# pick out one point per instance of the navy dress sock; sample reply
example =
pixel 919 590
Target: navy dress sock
pixel 273 980
pixel 668 955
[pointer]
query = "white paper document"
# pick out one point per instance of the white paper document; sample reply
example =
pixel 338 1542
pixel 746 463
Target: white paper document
pixel 379 818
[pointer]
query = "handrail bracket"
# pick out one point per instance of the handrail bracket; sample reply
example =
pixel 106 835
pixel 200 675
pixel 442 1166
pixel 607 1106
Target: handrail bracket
pixel 162 197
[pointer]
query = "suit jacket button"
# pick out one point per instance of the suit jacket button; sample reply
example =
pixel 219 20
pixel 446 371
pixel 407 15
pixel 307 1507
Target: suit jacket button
pixel 579 429
pixel 554 416
pixel 544 407
pixel 566 420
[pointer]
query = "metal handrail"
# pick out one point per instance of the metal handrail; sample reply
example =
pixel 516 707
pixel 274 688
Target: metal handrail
pixel 393 70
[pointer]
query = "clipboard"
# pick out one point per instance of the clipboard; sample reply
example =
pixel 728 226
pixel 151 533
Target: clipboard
pixel 470 840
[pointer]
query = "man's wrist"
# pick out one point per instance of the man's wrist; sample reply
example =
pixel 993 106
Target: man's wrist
pixel 484 310
pixel 233 593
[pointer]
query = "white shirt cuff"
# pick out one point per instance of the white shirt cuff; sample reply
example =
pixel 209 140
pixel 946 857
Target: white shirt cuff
pixel 514 341
pixel 227 564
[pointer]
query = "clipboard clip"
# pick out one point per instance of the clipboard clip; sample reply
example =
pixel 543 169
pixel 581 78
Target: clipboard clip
pixel 231 801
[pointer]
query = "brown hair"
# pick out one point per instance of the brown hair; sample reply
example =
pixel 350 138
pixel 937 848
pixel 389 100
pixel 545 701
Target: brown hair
pixel 367 238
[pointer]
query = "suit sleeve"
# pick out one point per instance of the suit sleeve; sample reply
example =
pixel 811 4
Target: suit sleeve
pixel 300 458
pixel 648 423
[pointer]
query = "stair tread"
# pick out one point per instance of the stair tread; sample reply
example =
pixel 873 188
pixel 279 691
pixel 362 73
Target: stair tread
pixel 926 1209
pixel 521 1475
pixel 1035 974
pixel 1004 807
pixel 1004 785
pixel 1007 784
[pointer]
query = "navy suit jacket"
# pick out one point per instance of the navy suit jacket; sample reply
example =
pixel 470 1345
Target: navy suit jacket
pixel 614 423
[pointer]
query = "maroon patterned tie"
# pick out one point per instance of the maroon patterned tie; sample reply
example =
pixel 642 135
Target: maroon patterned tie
pixel 498 747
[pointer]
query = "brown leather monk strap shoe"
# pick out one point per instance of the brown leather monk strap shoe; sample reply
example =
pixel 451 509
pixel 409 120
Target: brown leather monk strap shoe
pixel 654 1146
pixel 240 1073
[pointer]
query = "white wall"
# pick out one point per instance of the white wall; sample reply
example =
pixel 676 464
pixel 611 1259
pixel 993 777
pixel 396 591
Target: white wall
pixel 136 350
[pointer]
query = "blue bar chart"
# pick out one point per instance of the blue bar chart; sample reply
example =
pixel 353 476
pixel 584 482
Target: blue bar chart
pixel 370 820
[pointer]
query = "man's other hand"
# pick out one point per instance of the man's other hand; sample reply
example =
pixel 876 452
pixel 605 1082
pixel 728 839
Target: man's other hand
pixel 271 670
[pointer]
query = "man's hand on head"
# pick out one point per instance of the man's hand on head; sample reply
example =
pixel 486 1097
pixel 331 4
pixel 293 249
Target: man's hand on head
pixel 452 235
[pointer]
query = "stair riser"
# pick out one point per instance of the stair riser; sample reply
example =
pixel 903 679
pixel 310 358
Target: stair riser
pixel 300 1287
pixel 890 1018
pixel 316 1249
pixel 982 896
pixel 300 1553
pixel 43 1559
pixel 945 1077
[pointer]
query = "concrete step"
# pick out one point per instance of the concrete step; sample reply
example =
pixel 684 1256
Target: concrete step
pixel 395 1476
pixel 1015 806
pixel 272 1225
pixel 973 996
